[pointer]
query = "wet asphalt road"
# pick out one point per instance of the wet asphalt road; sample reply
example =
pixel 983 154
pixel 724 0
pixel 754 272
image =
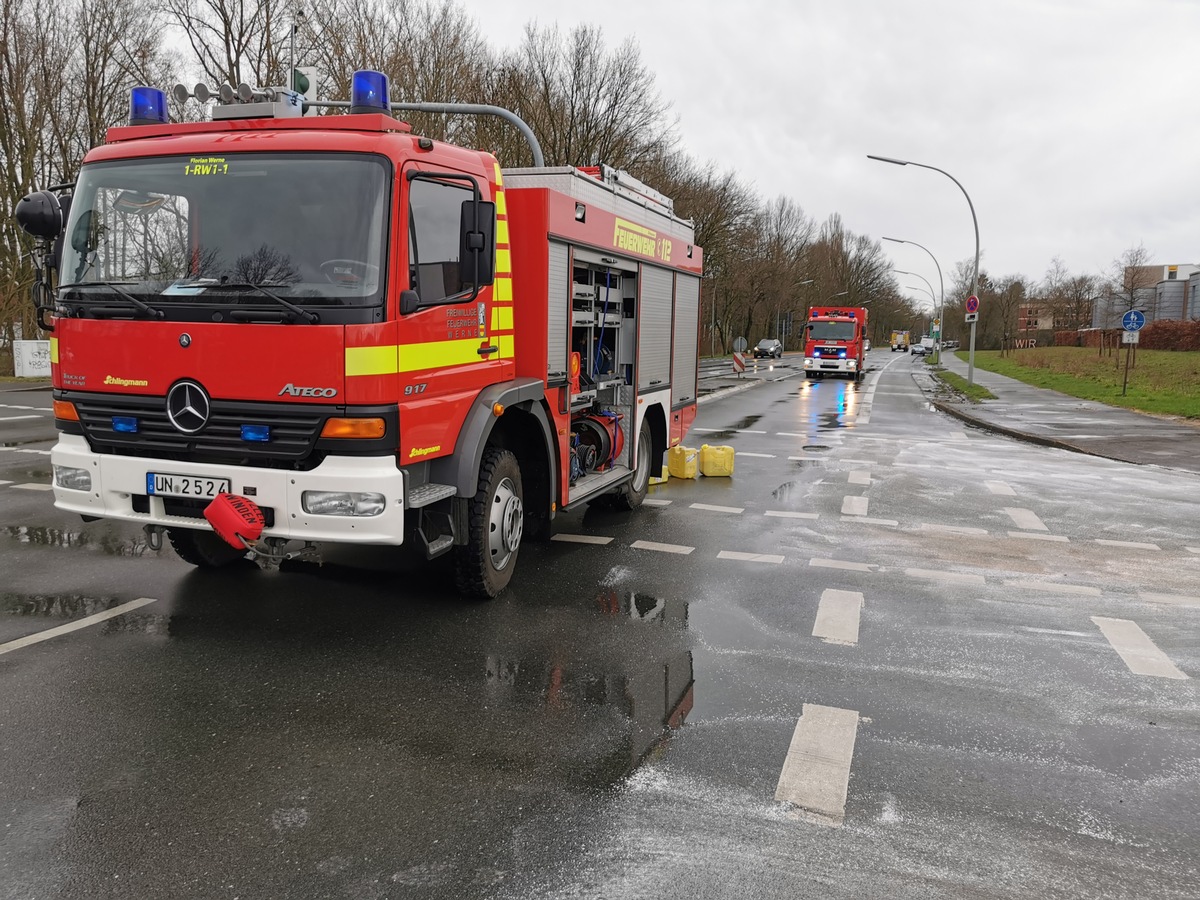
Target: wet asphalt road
pixel 616 725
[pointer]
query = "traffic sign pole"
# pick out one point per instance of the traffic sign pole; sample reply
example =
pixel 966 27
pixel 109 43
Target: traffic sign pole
pixel 973 310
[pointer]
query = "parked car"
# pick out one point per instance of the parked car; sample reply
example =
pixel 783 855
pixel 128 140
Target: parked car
pixel 768 348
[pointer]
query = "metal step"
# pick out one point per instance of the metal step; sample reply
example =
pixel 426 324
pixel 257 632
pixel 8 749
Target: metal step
pixel 438 546
pixel 424 494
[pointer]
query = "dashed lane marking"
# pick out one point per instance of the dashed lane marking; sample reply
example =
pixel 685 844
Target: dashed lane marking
pixel 76 625
pixel 1053 587
pixel 940 575
pixel 38 452
pixel 708 507
pixel 854 506
pixel 5 482
pixel 863 520
pixel 837 617
pixel 17 418
pixel 581 539
pixel 1037 536
pixel 1132 545
pixel 1001 488
pixel 1192 549
pixel 816 770
pixel 33 487
pixel 1025 518
pixel 1172 599
pixel 655 501
pixel 788 514
pixel 662 548
pixel 1033 630
pixel 750 557
pixel 1137 650
pixel 45 409
pixel 756 455
pixel 747 431
pixel 840 564
pixel 859 477
pixel 964 530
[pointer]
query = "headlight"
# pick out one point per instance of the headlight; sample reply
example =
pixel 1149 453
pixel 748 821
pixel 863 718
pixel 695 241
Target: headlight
pixel 342 503
pixel 852 363
pixel 73 479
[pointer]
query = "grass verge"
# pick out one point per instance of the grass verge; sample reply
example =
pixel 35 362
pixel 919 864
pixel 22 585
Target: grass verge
pixel 1162 382
pixel 973 392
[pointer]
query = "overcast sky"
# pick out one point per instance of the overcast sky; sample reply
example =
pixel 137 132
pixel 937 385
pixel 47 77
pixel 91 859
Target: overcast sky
pixel 1074 125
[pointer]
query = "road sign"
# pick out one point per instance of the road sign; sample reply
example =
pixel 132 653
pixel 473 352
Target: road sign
pixel 739 344
pixel 1133 321
pixel 973 317
pixel 972 304
pixel 739 362
pixel 1130 337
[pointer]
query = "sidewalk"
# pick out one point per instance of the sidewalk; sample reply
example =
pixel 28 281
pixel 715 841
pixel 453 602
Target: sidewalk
pixel 1047 417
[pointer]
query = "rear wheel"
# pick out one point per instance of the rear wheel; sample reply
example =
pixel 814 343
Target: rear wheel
pixel 631 494
pixel 203 548
pixel 496 522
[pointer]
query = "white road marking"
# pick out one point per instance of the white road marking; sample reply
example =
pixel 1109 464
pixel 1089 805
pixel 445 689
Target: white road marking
pixel 16 418
pixel 1001 488
pixel 5 482
pixel 750 557
pixel 1053 587
pixel 1055 631
pixel 655 501
pixel 940 575
pixel 1025 518
pixel 1132 545
pixel 787 514
pixel 706 430
pixel 816 771
pixel 858 462
pixel 1135 647
pixel 756 455
pixel 789 434
pixel 34 408
pixel 1173 599
pixel 837 616
pixel 725 509
pixel 1040 537
pixel 862 520
pixel 661 548
pixel 859 477
pixel 746 431
pixel 954 529
pixel 76 625
pixel 840 564
pixel 1192 549
pixel 854 506
pixel 582 539
pixel 957 435
pixel 801 458
pixel 38 452
pixel 33 487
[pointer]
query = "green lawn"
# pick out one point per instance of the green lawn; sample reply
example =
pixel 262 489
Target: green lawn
pixel 1160 381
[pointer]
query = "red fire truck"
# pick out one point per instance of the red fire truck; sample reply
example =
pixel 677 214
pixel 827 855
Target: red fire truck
pixel 833 343
pixel 273 327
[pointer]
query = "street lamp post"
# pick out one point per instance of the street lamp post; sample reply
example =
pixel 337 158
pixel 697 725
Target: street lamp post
pixel 937 351
pixel 917 287
pixel 974 221
pixel 930 292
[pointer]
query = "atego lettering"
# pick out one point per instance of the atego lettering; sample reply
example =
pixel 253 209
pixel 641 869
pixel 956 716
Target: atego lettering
pixel 291 390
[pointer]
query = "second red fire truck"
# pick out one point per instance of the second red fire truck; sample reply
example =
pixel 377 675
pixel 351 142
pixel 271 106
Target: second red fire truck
pixel 834 341
pixel 271 328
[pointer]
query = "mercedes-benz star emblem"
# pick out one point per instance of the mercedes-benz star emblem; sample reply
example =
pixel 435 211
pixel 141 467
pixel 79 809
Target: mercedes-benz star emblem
pixel 185 340
pixel 188 407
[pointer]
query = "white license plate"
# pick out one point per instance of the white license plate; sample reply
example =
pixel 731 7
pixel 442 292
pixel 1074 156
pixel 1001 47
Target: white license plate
pixel 163 484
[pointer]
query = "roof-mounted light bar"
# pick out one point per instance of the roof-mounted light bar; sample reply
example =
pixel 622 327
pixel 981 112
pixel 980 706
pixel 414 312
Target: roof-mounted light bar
pixel 148 106
pixel 369 92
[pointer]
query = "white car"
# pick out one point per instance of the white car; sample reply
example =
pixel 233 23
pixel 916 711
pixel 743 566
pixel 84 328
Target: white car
pixel 866 345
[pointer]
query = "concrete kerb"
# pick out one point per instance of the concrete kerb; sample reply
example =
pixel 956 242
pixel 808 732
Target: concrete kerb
pixel 957 411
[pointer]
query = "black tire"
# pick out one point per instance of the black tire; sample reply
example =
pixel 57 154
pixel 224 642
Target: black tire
pixel 495 523
pixel 631 494
pixel 203 549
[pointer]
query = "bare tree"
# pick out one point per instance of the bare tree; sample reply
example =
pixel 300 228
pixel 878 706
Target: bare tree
pixel 1130 285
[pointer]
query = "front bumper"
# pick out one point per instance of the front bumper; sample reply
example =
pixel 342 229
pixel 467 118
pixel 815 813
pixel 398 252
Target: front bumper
pixel 119 492
pixel 830 364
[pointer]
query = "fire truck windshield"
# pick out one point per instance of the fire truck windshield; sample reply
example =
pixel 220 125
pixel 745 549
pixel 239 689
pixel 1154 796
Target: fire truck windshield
pixel 831 331
pixel 188 232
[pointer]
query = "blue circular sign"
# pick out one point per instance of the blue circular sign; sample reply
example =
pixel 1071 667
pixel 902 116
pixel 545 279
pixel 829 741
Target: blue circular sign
pixel 1133 320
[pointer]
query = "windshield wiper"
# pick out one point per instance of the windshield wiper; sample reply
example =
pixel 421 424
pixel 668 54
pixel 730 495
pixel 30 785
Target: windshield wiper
pixel 116 286
pixel 310 317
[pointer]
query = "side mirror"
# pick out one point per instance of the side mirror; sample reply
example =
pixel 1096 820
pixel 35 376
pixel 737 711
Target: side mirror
pixel 56 251
pixel 410 302
pixel 39 214
pixel 477 242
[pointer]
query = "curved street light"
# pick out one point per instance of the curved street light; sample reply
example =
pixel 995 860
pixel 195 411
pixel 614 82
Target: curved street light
pixel 974 221
pixel 937 351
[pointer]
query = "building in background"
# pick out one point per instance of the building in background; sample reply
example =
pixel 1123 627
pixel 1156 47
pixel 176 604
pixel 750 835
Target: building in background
pixel 1161 292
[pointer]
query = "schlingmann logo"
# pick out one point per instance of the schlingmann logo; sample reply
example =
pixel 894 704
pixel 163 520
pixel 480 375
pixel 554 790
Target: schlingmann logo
pixel 126 382
pixel 291 390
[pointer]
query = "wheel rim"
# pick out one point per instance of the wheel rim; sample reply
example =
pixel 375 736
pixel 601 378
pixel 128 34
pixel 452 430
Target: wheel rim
pixel 642 474
pixel 505 524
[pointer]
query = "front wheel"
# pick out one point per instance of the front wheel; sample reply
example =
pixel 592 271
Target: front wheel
pixel 495 522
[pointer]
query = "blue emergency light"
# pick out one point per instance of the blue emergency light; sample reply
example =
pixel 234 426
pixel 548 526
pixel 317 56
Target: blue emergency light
pixel 148 106
pixel 261 433
pixel 125 424
pixel 369 92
